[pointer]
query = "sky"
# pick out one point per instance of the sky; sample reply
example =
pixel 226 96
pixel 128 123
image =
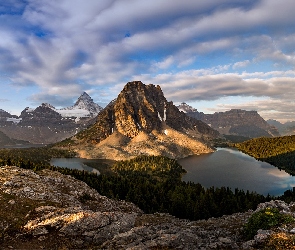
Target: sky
pixel 214 55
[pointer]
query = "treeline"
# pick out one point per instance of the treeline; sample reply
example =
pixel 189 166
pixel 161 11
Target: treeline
pixel 153 166
pixel 157 187
pixel 173 196
pixel 32 158
pixel 278 151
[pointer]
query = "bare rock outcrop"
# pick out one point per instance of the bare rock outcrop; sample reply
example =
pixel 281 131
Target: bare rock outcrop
pixel 140 110
pixel 48 210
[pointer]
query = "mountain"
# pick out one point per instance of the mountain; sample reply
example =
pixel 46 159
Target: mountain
pixel 141 121
pixel 6 141
pixel 7 119
pixel 234 122
pixel 287 128
pixel 46 124
pixel 84 107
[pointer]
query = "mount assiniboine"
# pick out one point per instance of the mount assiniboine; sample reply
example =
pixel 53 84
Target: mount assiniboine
pixel 46 124
pixel 142 121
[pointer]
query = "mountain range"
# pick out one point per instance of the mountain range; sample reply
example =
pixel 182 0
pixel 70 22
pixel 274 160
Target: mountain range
pixel 46 124
pixel 287 128
pixel 138 117
pixel 141 121
pixel 235 122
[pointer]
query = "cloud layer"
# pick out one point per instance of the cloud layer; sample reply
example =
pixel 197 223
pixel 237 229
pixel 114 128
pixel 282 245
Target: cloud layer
pixel 196 50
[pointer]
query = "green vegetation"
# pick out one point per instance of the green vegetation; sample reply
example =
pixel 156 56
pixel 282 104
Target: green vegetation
pixel 169 195
pixel 265 219
pixel 278 151
pixel 236 138
pixel 151 182
pixel 102 165
pixel 151 166
pixel 16 215
pixel 32 158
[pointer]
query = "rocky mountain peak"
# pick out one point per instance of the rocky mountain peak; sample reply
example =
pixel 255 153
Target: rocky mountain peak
pixel 85 102
pixel 142 115
pixel 139 107
pixel 47 105
pixel 186 108
pixel 237 122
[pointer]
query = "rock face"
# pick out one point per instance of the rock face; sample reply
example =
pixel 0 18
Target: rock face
pixel 234 122
pixel 46 124
pixel 287 128
pixel 7 119
pixel 48 210
pixel 85 102
pixel 147 122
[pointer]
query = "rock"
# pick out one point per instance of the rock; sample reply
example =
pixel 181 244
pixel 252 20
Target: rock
pixel 103 223
pixel 262 235
pixel 248 244
pixel 225 240
pixel 234 122
pixel 142 121
pixel 39 231
pixel 11 202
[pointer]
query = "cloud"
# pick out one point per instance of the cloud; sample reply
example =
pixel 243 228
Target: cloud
pixel 241 64
pixel 190 48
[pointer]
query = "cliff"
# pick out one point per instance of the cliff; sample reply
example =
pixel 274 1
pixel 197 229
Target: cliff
pixel 234 122
pixel 142 121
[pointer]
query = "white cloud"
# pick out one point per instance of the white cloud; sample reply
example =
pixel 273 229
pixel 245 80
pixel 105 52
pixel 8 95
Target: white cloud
pixel 74 45
pixel 241 64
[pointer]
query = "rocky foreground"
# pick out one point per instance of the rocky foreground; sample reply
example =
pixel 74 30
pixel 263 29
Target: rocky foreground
pixel 48 210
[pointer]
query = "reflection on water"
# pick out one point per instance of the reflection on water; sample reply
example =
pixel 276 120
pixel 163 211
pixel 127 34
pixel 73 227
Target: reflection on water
pixel 232 168
pixel 73 163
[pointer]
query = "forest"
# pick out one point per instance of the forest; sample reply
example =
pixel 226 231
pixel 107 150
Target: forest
pixel 153 183
pixel 278 151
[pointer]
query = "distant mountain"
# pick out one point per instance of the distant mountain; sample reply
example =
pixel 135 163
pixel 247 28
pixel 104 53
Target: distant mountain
pixel 234 122
pixel 7 119
pixel 46 124
pixel 287 128
pixel 6 141
pixel 84 107
pixel 141 121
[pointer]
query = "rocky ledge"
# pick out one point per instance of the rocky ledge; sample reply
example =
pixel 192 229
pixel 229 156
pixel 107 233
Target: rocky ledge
pixel 48 210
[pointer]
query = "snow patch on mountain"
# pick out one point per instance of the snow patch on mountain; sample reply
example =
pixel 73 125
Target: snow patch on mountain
pixel 185 108
pixel 84 107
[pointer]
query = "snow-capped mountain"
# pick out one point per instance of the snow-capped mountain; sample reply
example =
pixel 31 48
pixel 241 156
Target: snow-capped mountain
pixel 47 124
pixel 186 108
pixel 84 107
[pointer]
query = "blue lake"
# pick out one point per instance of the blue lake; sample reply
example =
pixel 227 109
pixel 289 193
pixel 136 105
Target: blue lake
pixel 231 168
pixel 226 167
pixel 73 163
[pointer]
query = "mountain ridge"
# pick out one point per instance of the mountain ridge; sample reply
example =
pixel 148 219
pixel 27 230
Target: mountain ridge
pixel 47 124
pixel 234 122
pixel 142 111
pixel 287 128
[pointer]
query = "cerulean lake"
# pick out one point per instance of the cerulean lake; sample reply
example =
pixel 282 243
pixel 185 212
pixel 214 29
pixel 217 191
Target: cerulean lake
pixel 231 168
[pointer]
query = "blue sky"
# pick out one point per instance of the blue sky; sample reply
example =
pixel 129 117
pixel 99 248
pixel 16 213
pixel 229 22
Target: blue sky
pixel 214 55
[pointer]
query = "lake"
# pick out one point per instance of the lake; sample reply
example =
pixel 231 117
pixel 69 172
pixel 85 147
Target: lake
pixel 226 167
pixel 73 163
pixel 231 168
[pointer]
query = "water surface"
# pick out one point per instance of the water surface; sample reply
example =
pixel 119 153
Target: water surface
pixel 231 168
pixel 73 163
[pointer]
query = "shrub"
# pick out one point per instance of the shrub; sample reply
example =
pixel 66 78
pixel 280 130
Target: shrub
pixel 265 219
